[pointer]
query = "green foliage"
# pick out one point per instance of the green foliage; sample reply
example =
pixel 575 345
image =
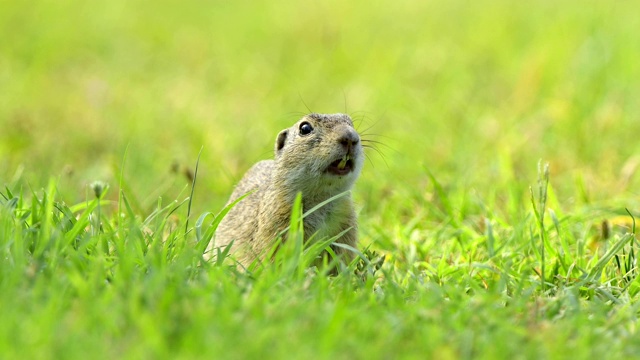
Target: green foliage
pixel 77 281
pixel 467 250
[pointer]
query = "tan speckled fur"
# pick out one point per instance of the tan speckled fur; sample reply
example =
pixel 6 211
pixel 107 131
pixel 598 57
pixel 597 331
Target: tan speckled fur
pixel 300 165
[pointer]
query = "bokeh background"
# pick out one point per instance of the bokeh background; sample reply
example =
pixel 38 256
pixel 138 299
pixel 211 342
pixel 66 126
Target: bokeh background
pixel 473 92
pixel 464 99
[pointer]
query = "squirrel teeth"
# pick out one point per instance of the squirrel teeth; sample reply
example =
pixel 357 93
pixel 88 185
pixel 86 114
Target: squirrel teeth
pixel 343 162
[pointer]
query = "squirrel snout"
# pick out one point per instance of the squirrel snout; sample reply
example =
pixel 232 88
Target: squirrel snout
pixel 349 138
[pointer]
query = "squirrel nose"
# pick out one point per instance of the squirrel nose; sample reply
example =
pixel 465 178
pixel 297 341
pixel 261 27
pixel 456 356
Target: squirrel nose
pixel 349 138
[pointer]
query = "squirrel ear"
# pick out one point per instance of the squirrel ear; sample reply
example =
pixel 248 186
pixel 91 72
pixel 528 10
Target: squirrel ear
pixel 280 140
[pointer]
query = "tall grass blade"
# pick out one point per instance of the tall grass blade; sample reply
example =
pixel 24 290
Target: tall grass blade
pixel 193 188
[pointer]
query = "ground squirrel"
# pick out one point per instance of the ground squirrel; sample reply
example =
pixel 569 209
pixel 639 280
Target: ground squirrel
pixel 320 156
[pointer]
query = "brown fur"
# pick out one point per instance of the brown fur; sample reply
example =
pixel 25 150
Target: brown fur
pixel 300 165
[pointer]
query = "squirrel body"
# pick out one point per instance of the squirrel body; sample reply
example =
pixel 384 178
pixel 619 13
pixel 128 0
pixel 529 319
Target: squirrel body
pixel 320 156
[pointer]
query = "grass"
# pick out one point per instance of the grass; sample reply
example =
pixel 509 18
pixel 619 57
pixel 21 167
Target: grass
pixel 107 107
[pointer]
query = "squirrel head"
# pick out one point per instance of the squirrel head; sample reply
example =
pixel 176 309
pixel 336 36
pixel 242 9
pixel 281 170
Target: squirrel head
pixel 320 152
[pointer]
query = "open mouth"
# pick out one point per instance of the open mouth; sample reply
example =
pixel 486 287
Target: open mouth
pixel 342 166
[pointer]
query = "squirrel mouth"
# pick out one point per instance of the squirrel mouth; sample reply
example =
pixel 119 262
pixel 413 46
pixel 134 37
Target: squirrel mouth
pixel 342 166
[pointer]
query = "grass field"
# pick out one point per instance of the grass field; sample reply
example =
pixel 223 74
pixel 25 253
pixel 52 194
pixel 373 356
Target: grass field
pixel 488 253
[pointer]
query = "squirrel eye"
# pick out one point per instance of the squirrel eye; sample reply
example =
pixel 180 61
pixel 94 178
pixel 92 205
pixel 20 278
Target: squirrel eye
pixel 305 128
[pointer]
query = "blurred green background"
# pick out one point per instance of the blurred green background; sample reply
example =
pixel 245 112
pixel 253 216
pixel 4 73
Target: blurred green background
pixel 465 98
pixel 474 92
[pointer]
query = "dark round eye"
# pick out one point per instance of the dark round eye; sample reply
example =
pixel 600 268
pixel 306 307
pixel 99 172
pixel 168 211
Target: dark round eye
pixel 305 128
